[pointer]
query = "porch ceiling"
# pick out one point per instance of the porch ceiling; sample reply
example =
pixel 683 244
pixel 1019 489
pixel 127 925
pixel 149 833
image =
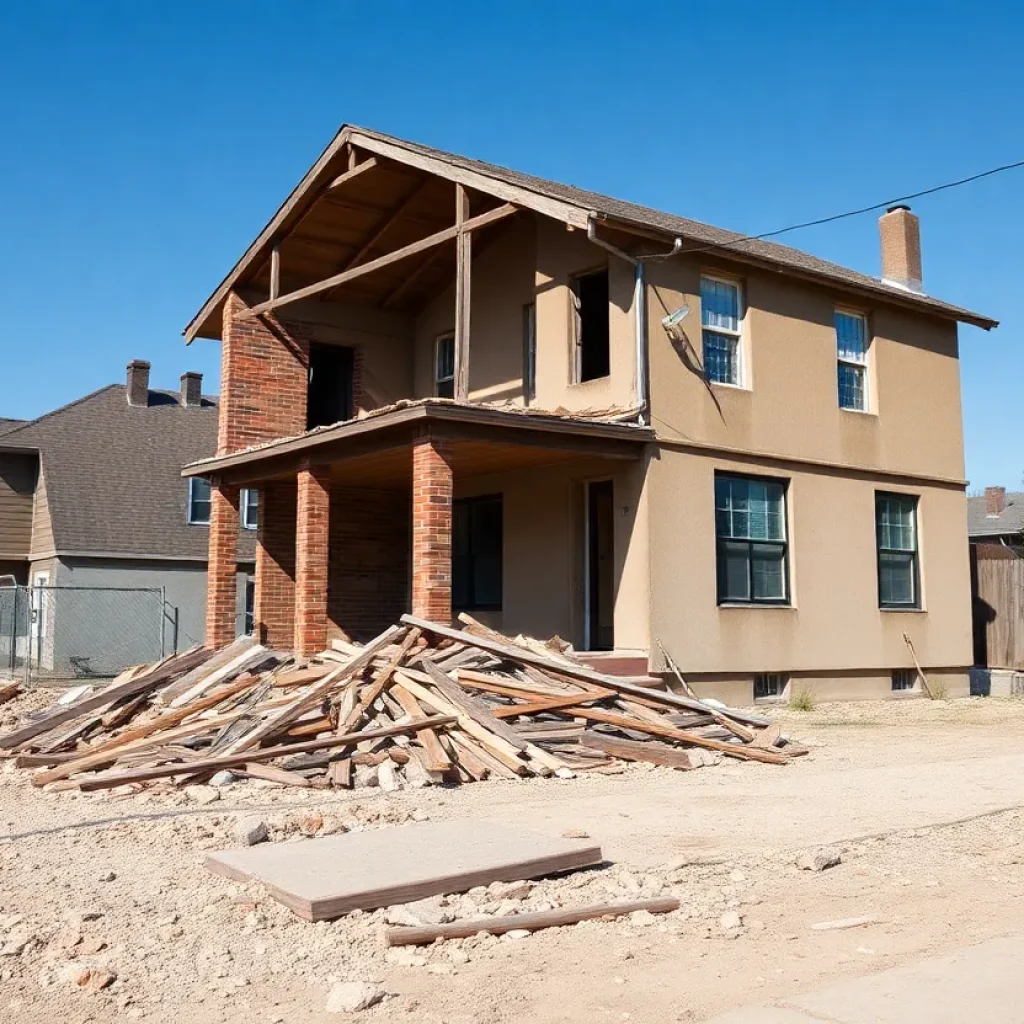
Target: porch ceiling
pixel 377 450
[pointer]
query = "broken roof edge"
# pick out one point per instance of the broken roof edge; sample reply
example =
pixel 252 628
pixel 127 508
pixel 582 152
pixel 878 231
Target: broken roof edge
pixel 441 409
pixel 541 196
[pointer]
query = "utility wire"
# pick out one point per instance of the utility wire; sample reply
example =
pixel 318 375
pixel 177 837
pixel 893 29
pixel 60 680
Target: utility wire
pixel 850 213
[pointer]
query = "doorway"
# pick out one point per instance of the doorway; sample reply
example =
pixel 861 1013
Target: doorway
pixel 599 567
pixel 329 397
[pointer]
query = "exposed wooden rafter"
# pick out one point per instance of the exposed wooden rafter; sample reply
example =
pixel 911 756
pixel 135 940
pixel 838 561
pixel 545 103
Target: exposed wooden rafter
pixel 439 237
pixel 404 205
pixel 463 261
pixel 414 275
pixel 352 173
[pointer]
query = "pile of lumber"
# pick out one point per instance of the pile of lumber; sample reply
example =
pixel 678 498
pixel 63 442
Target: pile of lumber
pixel 422 703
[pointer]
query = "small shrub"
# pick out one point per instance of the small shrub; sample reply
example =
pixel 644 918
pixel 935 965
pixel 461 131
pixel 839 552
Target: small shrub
pixel 938 689
pixel 802 700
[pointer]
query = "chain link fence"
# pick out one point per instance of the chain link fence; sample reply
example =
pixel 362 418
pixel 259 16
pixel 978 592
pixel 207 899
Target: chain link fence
pixel 55 634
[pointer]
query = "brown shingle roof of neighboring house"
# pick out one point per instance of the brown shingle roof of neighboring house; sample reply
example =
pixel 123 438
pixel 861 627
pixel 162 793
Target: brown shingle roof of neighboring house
pixel 531 191
pixel 1009 522
pixel 6 424
pixel 112 473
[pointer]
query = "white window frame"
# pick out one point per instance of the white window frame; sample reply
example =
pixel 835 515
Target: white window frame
pixel 742 376
pixel 781 681
pixel 438 379
pixel 244 503
pixel 188 506
pixel 862 364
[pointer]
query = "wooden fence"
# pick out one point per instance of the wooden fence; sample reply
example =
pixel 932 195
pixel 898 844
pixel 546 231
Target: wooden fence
pixel 997 592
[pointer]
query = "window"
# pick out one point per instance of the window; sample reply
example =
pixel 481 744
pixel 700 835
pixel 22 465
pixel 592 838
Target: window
pixel 529 352
pixel 250 508
pixel 903 679
pixel 476 552
pixel 720 316
pixel 329 394
pixel 768 685
pixel 750 525
pixel 249 620
pixel 444 366
pixel 852 350
pixel 590 326
pixel 198 513
pixel 896 529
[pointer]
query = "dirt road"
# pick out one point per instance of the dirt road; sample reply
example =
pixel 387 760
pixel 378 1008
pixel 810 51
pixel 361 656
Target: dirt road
pixel 116 883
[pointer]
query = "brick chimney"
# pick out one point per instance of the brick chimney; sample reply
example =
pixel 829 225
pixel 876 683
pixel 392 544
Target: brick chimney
pixel 995 501
pixel 138 382
pixel 191 389
pixel 900 232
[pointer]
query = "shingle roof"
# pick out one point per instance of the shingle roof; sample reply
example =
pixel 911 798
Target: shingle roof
pixel 1009 522
pixel 6 423
pixel 112 472
pixel 691 231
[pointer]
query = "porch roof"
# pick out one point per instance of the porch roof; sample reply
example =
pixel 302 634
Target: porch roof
pixel 376 449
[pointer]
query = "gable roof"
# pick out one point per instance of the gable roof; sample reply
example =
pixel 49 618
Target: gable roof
pixel 112 472
pixel 1009 522
pixel 6 423
pixel 572 205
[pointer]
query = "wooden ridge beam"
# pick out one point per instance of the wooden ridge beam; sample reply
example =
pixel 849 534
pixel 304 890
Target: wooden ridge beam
pixel 446 235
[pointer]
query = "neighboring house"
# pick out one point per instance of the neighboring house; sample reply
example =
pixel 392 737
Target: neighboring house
pixel 458 387
pixel 91 496
pixel 996 517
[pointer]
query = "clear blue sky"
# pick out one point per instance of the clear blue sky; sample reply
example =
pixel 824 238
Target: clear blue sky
pixel 144 143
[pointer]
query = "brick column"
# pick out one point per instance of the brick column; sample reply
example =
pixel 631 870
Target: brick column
pixel 222 567
pixel 275 566
pixel 312 526
pixel 432 529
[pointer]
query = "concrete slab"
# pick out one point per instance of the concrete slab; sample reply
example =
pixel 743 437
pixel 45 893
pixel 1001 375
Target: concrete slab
pixel 980 983
pixel 323 878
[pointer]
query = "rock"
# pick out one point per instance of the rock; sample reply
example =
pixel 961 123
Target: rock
pixel 405 956
pixel 202 795
pixel 642 917
pixel 99 979
pixel 575 833
pixel 223 778
pixel 250 831
pixel 416 775
pixel 401 916
pixel 17 942
pixel 387 777
pixel 418 814
pixel 74 974
pixel 700 758
pixel 107 876
pixel 363 776
pixel 92 945
pixel 516 891
pixel 458 956
pixel 430 911
pixel 819 859
pixel 309 823
pixel 730 921
pixel 518 933
pixel 352 996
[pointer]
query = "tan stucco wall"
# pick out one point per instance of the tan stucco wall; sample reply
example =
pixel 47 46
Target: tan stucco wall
pixel 834 623
pixel 543 548
pixel 533 261
pixel 789 406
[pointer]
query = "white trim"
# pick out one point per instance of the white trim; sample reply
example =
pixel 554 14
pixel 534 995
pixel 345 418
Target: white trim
pixel 446 336
pixel 861 364
pixel 244 508
pixel 743 374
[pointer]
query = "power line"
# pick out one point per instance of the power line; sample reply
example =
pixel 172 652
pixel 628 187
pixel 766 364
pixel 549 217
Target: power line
pixel 853 213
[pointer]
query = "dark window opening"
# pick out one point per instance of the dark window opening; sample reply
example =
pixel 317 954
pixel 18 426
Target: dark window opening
pixel 752 540
pixel 249 622
pixel 593 348
pixel 444 366
pixel 903 679
pixel 329 397
pixel 477 553
pixel 768 685
pixel 896 534
pixel 529 352
pixel 600 566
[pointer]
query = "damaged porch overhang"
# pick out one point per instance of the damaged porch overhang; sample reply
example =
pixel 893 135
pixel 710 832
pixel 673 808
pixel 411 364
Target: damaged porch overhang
pixel 375 450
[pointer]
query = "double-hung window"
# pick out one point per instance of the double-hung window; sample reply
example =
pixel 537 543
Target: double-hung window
pixel 721 315
pixel 852 354
pixel 198 512
pixel 250 508
pixel 444 366
pixel 750 526
pixel 896 530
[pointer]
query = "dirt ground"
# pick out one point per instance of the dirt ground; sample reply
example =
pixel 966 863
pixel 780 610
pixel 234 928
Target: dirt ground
pixel 924 799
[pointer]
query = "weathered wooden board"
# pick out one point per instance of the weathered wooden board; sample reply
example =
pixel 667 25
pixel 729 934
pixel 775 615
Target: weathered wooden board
pixel 324 878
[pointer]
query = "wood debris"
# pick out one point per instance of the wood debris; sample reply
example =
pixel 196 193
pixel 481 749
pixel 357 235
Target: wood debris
pixel 422 703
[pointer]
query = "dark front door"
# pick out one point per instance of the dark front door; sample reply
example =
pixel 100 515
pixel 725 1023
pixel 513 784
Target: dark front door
pixel 329 397
pixel 600 556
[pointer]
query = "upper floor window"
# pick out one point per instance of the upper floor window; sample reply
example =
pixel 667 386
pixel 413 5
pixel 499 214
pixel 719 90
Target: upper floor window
pixel 198 512
pixel 529 352
pixel 591 327
pixel 852 352
pixel 250 508
pixel 721 314
pixel 444 366
pixel 750 527
pixel 896 529
pixel 329 393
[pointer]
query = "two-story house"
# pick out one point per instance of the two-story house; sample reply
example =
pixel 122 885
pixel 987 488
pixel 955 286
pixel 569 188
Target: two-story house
pixel 459 387
pixel 97 523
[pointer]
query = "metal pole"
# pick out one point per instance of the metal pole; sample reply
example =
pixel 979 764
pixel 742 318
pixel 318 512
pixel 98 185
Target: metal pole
pixel 163 617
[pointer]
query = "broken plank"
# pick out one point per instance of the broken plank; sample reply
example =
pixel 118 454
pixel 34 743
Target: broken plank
pixel 271 773
pixel 649 751
pixel 425 934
